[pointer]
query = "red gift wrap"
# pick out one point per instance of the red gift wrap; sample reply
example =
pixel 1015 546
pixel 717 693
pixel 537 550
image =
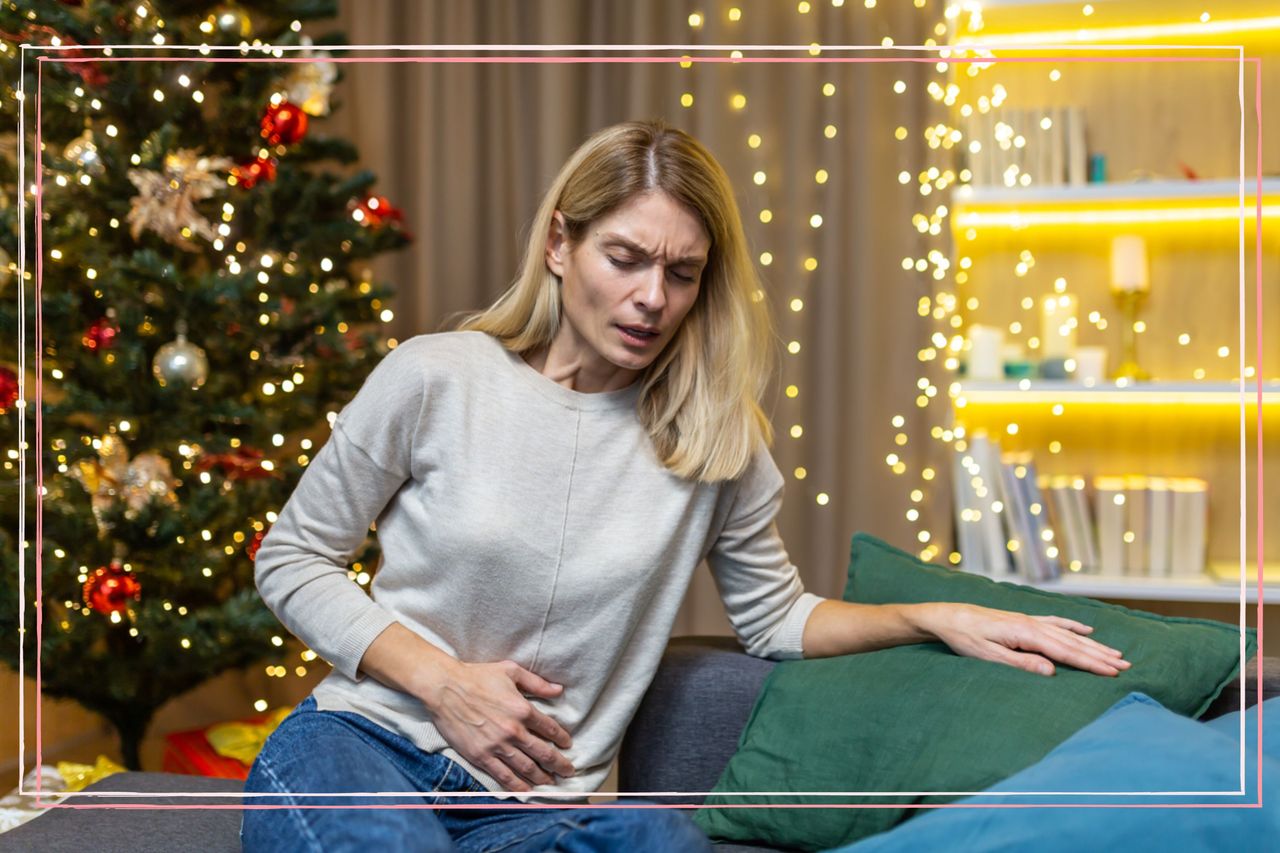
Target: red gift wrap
pixel 191 753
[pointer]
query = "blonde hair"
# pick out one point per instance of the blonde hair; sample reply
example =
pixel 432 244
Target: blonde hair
pixel 700 399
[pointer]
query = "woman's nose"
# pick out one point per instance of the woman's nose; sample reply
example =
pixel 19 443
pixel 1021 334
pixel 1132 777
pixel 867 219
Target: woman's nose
pixel 652 292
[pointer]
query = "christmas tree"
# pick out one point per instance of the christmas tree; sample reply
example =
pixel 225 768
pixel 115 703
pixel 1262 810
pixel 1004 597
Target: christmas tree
pixel 203 310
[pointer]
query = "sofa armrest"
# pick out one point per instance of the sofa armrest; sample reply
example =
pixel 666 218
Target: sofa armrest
pixel 687 726
pixel 1229 700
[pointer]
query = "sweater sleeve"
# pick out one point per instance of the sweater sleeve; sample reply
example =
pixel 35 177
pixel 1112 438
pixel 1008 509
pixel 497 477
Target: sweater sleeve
pixel 761 589
pixel 301 565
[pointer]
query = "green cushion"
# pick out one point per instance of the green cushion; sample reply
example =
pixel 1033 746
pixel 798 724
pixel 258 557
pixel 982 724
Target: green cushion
pixel 919 718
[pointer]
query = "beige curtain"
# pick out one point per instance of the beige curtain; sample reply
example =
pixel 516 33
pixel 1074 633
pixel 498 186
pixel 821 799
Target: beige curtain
pixel 466 150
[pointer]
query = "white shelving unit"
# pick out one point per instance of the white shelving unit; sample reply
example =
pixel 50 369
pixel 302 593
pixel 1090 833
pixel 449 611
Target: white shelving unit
pixel 1160 589
pixel 991 222
pixel 1038 391
pixel 1117 191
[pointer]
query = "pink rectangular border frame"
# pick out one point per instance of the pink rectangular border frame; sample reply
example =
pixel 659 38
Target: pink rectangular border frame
pixel 1243 60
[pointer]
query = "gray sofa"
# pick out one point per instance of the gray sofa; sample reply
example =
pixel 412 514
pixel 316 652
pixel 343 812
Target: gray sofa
pixel 682 736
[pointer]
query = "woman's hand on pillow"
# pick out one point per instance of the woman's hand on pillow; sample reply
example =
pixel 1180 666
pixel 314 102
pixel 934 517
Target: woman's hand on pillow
pixel 1026 642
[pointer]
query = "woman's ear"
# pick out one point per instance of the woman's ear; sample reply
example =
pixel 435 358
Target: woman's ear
pixel 556 244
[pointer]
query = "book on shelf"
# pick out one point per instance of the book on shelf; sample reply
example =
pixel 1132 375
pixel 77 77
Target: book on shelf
pixel 1039 139
pixel 1159 523
pixel 1057 488
pixel 1190 516
pixel 981 128
pixel 1043 534
pixel 1018 519
pixel 968 517
pixel 1020 157
pixel 1077 520
pixel 1136 533
pixel 1085 521
pixel 985 454
pixel 1111 523
pixel 1077 149
pixel 1057 147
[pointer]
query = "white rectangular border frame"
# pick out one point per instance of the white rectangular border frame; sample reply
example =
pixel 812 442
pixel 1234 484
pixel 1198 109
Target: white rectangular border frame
pixel 21 406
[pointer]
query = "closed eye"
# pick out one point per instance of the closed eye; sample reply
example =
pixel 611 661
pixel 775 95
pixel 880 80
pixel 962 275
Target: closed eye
pixel 621 264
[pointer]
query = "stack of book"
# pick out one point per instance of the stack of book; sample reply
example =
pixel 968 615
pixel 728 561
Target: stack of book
pixel 1002 521
pixel 1151 526
pixel 1052 153
pixel 1014 523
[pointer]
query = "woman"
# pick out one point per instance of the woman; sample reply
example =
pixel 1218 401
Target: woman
pixel 545 480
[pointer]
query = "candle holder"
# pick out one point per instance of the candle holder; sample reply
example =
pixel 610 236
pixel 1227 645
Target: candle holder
pixel 1129 303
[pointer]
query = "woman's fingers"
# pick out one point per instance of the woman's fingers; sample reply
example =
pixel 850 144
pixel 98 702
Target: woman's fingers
pixel 1079 652
pixel 548 756
pixel 530 682
pixel 1021 660
pixel 1030 643
pixel 521 763
pixel 1069 624
pixel 1076 629
pixel 540 724
pixel 502 774
pixel 487 720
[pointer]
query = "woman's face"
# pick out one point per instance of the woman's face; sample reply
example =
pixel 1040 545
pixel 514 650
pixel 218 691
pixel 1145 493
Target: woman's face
pixel 627 286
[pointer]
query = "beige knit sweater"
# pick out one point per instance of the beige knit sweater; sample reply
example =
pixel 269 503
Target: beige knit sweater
pixel 517 519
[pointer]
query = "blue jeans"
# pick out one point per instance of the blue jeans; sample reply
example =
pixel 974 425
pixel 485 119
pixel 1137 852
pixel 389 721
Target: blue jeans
pixel 336 751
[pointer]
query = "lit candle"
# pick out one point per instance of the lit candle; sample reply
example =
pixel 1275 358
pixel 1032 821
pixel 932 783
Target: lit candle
pixel 1058 325
pixel 1129 264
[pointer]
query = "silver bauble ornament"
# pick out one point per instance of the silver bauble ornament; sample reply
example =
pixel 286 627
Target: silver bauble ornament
pixel 230 21
pixel 84 154
pixel 180 363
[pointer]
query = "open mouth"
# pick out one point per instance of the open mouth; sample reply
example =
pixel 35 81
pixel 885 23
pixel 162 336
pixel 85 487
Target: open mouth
pixel 636 336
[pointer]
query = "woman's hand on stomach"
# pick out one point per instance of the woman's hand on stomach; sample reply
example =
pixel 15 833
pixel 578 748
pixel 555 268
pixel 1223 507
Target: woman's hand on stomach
pixel 481 710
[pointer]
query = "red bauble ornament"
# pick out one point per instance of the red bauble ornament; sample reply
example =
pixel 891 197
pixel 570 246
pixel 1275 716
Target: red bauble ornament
pixel 101 335
pixel 252 548
pixel 375 211
pixel 283 123
pixel 8 388
pixel 110 588
pixel 243 463
pixel 90 72
pixel 249 173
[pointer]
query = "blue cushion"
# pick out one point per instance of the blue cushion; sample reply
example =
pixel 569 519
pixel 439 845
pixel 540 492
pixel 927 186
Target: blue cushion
pixel 1136 745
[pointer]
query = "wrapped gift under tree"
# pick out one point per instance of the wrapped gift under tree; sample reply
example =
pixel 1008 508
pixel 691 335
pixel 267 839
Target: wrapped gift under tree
pixel 226 750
